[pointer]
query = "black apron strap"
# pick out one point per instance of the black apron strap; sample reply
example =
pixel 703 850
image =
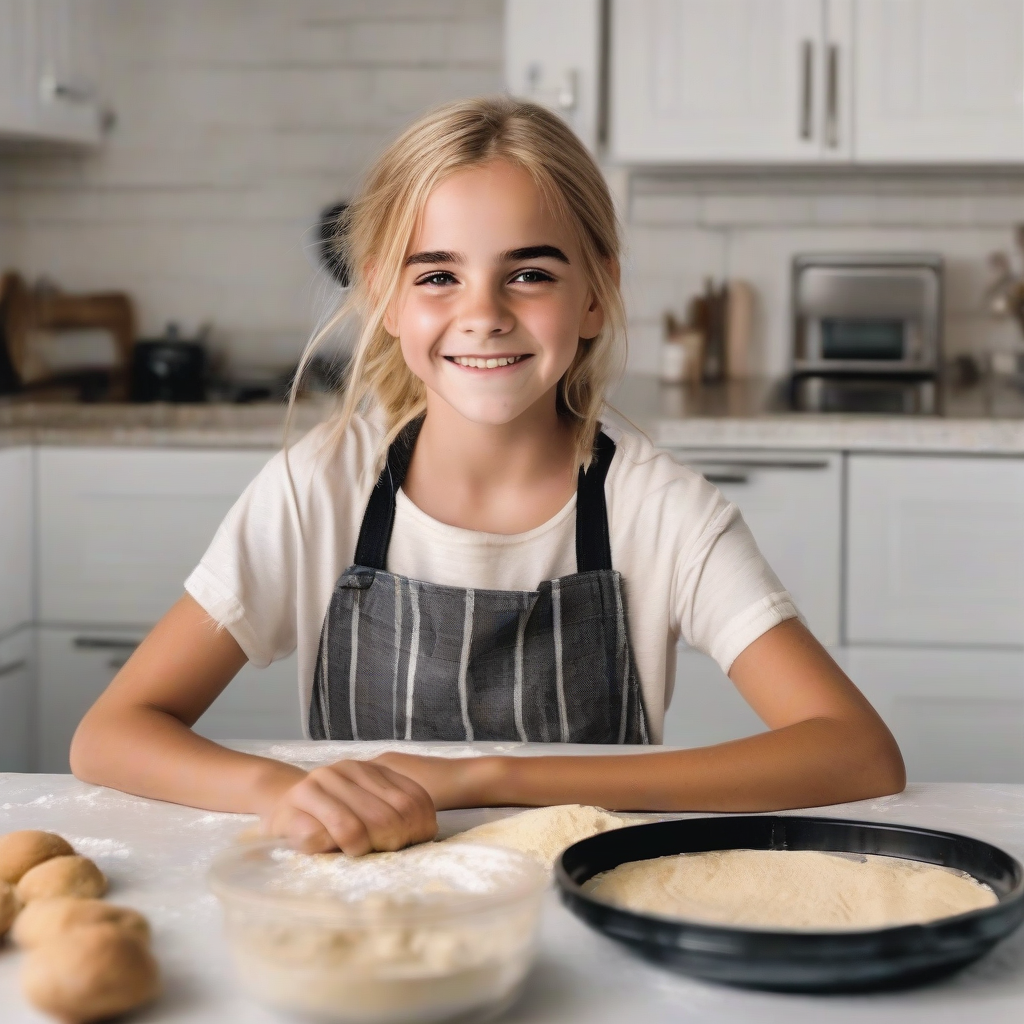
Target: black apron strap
pixel 593 542
pixel 379 518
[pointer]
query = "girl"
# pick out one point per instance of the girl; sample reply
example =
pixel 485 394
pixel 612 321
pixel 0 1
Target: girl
pixel 468 551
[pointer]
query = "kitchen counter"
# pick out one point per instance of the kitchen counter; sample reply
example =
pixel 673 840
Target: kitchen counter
pixel 987 418
pixel 156 855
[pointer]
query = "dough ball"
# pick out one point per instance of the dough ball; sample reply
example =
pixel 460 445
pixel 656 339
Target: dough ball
pixel 62 876
pixel 8 907
pixel 46 919
pixel 89 974
pixel 22 851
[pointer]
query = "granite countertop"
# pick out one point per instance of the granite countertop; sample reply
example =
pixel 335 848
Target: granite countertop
pixel 987 418
pixel 156 855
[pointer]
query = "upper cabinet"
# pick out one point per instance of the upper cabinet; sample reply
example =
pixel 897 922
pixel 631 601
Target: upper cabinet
pixel 778 81
pixel 939 81
pixel 729 80
pixel 47 89
pixel 553 56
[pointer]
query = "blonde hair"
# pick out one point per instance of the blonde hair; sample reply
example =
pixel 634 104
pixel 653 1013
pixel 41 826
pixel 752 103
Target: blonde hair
pixel 376 230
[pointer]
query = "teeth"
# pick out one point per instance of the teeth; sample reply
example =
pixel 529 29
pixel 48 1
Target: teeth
pixel 487 364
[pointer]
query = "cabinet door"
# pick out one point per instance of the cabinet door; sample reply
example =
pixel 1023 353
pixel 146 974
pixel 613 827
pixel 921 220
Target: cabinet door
pixel 939 81
pixel 553 57
pixel 16 67
pixel 121 529
pixel 16 732
pixel 719 80
pixel 957 714
pixel 792 502
pixel 936 550
pixel 706 707
pixel 16 592
pixel 258 704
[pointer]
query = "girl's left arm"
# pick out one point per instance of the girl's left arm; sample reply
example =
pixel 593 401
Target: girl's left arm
pixel 826 745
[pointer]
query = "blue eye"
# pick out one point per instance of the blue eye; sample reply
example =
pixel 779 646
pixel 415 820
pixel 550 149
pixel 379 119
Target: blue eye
pixel 532 276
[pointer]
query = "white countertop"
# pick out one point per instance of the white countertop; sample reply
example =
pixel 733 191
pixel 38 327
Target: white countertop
pixel 156 856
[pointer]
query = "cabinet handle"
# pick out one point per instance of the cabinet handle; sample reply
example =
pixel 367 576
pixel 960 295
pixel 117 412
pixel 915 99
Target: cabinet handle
pixel 832 98
pixel 51 89
pixel 103 643
pixel 13 666
pixel 117 663
pixel 806 89
pixel 727 478
pixel 742 464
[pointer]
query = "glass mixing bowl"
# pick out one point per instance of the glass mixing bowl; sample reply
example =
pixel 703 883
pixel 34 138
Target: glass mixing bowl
pixel 434 933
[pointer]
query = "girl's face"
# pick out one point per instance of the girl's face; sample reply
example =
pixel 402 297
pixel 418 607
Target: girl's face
pixel 493 300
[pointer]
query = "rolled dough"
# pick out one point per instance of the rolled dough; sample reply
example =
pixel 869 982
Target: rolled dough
pixel 545 832
pixel 798 889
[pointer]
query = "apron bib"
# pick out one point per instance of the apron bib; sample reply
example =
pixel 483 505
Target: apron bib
pixel 404 659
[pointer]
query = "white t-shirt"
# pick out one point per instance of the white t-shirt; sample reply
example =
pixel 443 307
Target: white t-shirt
pixel 690 564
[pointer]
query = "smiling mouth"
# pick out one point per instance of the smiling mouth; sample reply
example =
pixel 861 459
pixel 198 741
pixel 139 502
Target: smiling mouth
pixel 486 362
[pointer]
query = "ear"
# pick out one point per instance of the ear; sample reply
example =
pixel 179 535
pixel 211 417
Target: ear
pixel 594 315
pixel 390 318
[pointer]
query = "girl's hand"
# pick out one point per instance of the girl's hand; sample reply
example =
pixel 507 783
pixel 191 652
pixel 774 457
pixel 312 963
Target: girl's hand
pixel 353 806
pixel 451 782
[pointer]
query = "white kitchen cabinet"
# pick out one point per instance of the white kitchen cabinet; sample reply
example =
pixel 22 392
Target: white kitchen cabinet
pixel 706 707
pixel 792 502
pixel 258 704
pixel 120 529
pixel 47 72
pixel 935 550
pixel 939 81
pixel 16 702
pixel 16 533
pixel 730 80
pixel 957 714
pixel 553 57
pixel 77 665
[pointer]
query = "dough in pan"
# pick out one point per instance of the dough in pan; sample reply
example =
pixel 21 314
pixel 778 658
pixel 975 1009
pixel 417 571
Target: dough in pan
pixel 796 889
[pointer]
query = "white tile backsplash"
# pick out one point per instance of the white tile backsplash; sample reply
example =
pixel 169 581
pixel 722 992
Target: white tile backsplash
pixel 238 120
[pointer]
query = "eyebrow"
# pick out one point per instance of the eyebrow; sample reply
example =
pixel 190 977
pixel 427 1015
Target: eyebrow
pixel 528 252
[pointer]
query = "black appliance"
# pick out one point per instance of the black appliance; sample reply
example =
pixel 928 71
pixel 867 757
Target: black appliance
pixel 169 369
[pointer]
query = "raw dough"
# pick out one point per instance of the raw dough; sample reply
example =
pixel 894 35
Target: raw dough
pixel 21 851
pixel 62 876
pixel 799 889
pixel 545 832
pixel 89 974
pixel 8 907
pixel 47 919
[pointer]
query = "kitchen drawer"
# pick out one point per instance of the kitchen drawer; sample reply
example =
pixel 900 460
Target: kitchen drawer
pixel 792 502
pixel 120 530
pixel 957 714
pixel 77 665
pixel 706 707
pixel 17 654
pixel 15 538
pixel 936 550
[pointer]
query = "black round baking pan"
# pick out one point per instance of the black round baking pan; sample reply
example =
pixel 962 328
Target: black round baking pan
pixel 798 961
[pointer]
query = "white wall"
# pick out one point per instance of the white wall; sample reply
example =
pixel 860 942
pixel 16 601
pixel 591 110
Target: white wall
pixel 749 226
pixel 239 119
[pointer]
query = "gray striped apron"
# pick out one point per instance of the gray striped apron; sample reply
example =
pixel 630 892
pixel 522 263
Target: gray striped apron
pixel 404 659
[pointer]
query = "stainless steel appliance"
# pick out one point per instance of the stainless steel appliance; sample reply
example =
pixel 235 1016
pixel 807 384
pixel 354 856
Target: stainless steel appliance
pixel 867 332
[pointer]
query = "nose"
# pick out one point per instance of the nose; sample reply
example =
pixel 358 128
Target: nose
pixel 482 313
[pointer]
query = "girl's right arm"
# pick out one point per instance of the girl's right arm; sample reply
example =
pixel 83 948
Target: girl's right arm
pixel 137 738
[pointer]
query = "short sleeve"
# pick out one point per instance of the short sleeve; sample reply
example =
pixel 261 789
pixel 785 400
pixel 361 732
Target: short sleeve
pixel 736 596
pixel 246 580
